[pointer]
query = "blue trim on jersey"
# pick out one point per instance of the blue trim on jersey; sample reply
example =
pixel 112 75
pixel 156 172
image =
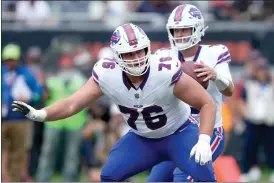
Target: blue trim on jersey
pixel 227 59
pixel 95 75
pixel 145 79
pixel 194 110
pixel 197 54
pixel 125 80
pixel 129 84
pixel 223 55
pixel 181 57
pixel 177 75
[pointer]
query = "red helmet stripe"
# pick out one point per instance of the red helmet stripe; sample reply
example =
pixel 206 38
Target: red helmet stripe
pixel 178 13
pixel 130 34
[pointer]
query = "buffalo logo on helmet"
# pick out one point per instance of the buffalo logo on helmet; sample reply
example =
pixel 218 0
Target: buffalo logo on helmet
pixel 195 13
pixel 115 38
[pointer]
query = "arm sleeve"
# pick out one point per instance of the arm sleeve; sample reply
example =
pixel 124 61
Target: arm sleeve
pixel 223 69
pixel 177 72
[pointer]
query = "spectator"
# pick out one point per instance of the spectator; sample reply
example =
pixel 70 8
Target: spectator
pixel 112 13
pixel 83 61
pixel 240 10
pixel 105 52
pixel 257 95
pixel 63 84
pixel 100 134
pixel 11 10
pixel 18 83
pixel 33 12
pixel 34 60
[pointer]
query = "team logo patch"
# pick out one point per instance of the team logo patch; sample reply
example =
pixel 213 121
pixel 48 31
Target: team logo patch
pixel 136 95
pixel 195 13
pixel 115 38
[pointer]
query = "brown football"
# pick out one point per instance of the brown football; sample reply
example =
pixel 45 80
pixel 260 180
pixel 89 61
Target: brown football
pixel 188 68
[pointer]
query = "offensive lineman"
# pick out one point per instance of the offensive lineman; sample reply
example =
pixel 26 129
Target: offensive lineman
pixel 149 92
pixel 185 29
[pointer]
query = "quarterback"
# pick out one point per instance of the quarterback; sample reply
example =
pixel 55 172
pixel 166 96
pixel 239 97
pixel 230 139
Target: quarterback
pixel 153 96
pixel 185 29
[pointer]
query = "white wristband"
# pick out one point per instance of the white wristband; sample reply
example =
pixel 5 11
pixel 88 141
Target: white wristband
pixel 204 137
pixel 221 82
pixel 40 115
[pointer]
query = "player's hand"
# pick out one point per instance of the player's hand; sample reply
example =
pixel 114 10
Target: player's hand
pixel 28 111
pixel 202 150
pixel 204 70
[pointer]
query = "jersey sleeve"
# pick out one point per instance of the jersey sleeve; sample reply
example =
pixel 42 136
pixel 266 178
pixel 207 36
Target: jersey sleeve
pixel 223 55
pixel 224 70
pixel 177 72
pixel 169 67
pixel 98 72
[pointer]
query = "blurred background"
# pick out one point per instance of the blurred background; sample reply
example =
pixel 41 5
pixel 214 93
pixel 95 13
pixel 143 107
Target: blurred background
pixel 50 47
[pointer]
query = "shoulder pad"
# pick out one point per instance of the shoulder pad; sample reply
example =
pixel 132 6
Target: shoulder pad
pixel 168 67
pixel 101 67
pixel 163 52
pixel 222 53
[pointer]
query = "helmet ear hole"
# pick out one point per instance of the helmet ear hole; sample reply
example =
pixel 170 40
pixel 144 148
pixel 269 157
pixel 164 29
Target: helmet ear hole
pixel 171 32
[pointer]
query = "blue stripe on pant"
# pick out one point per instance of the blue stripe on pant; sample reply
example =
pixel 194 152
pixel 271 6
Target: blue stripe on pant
pixel 133 154
pixel 164 171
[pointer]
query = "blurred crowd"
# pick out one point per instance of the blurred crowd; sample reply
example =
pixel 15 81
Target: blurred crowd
pixel 46 13
pixel 33 149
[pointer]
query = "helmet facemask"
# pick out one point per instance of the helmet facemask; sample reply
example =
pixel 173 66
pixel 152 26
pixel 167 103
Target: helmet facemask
pixel 135 67
pixel 185 42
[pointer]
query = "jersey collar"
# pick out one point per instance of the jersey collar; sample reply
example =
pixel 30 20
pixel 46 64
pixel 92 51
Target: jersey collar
pixel 181 57
pixel 129 84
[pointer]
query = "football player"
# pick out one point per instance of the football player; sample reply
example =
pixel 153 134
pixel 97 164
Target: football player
pixel 186 29
pixel 148 91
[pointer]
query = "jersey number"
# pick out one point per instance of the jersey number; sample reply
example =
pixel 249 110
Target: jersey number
pixel 161 65
pixel 109 65
pixel 146 112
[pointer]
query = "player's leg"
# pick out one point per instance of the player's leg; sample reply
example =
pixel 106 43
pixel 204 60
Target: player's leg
pixel 180 145
pixel 217 146
pixel 72 155
pixel 268 146
pixel 162 172
pixel 129 156
pixel 49 149
pixel 252 140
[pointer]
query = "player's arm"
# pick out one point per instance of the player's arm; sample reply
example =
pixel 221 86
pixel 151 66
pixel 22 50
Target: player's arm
pixel 223 80
pixel 191 92
pixel 63 108
pixel 75 103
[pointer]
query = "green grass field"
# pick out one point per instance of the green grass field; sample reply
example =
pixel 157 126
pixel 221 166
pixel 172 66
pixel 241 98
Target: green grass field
pixel 142 177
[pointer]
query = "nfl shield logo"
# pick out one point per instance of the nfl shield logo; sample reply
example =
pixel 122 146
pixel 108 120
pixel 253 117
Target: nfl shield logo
pixel 136 95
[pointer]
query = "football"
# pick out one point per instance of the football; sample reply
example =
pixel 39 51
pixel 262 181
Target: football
pixel 188 68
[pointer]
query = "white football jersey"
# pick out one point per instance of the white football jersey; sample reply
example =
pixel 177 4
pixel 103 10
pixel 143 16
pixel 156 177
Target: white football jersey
pixel 151 109
pixel 211 55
